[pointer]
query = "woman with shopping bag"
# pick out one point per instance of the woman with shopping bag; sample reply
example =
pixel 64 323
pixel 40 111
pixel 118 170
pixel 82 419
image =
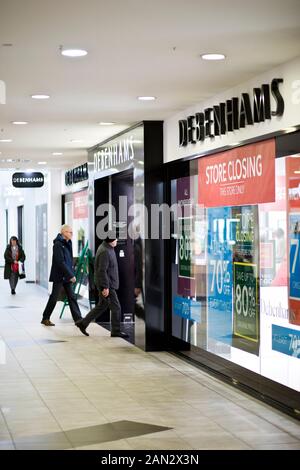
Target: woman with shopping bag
pixel 14 254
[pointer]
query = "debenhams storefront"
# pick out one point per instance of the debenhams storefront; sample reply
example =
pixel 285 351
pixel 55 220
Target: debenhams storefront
pixel 233 262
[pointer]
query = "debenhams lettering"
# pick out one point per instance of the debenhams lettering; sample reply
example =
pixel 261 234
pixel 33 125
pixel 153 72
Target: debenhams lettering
pixel 114 155
pixel 234 114
pixel 34 180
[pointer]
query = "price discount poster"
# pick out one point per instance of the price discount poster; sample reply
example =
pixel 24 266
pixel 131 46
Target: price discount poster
pixel 219 279
pixel 246 305
pixel 185 224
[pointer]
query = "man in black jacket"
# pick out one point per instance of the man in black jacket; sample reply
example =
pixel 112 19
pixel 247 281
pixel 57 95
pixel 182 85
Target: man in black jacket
pixel 62 275
pixel 107 282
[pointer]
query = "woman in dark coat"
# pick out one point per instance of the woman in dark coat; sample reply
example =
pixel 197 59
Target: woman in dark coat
pixel 13 254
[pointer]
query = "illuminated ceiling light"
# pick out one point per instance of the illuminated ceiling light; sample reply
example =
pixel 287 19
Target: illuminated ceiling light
pixel 40 96
pixel 5 140
pixel 297 172
pixel 74 52
pixel 212 56
pixel 146 98
pixel 20 123
pixel 42 163
pixel 107 123
pixel 56 154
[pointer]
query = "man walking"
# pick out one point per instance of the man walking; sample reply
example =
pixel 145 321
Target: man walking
pixel 62 275
pixel 107 282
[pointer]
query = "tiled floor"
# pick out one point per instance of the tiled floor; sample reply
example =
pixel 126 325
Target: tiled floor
pixel 62 390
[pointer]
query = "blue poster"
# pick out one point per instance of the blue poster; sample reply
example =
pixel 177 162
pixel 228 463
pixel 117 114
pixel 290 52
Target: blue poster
pixel 221 229
pixel 286 341
pixel 187 308
pixel 294 242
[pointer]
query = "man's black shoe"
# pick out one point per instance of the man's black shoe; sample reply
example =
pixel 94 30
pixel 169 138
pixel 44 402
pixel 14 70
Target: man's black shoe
pixel 13 291
pixel 119 335
pixel 82 328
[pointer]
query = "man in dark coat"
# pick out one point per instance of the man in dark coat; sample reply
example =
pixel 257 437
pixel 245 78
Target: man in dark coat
pixel 62 275
pixel 107 282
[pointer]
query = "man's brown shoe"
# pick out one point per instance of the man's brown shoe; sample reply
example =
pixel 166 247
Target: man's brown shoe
pixel 47 323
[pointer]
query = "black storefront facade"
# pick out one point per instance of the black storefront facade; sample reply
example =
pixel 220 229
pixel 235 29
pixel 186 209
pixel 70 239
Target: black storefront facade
pixel 125 176
pixel 232 266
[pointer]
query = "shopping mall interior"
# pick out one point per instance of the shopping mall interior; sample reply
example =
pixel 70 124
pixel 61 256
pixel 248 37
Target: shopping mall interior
pixel 150 225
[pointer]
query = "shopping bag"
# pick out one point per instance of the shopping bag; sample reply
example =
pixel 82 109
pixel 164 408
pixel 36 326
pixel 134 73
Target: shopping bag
pixel 22 274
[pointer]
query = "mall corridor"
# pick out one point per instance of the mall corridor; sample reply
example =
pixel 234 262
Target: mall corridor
pixel 62 390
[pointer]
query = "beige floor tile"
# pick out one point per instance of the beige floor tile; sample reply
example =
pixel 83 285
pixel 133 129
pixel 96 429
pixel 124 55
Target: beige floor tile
pixel 82 382
pixel 279 447
pixel 264 438
pixel 121 444
pixel 142 443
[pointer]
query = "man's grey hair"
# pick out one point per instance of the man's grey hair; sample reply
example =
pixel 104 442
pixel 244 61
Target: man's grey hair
pixel 64 228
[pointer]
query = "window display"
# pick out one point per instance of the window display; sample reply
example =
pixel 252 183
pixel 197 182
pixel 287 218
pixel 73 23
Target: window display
pixel 236 259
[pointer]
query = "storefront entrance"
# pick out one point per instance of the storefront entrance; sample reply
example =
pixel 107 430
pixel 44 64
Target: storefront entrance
pixel 117 192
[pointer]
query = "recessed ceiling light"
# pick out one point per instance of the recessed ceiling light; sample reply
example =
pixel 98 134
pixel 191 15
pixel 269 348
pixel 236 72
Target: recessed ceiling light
pixel 9 160
pixel 7 44
pixel 5 140
pixel 146 98
pixel 19 123
pixel 76 141
pixel 56 154
pixel 107 123
pixel 42 163
pixel 40 96
pixel 74 52
pixel 213 56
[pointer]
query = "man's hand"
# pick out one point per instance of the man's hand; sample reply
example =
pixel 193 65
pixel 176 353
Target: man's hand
pixel 16 262
pixel 105 292
pixel 73 280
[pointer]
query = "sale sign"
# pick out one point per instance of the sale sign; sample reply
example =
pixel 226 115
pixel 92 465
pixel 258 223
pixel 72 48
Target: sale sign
pixel 245 279
pixel 219 279
pixel 185 225
pixel 244 175
pixel 294 268
pixel 293 210
pixel 245 314
pixel 184 252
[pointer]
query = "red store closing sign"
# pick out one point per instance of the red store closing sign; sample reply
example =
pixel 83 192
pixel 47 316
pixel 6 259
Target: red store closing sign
pixel 244 175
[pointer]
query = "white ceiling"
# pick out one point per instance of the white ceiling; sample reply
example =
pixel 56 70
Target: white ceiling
pixel 136 47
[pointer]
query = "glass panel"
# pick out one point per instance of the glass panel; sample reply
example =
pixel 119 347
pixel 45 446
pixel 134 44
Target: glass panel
pixel 236 270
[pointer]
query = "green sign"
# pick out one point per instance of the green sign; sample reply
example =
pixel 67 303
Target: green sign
pixel 185 231
pixel 245 310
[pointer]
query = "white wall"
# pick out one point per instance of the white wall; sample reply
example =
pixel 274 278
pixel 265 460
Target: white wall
pixel 54 211
pixel 290 90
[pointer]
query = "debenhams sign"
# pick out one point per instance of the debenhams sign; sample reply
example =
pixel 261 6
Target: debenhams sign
pixel 28 180
pixel 236 113
pixel 114 155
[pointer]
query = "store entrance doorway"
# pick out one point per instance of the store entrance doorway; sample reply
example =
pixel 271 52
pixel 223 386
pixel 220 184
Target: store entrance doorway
pixel 117 192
